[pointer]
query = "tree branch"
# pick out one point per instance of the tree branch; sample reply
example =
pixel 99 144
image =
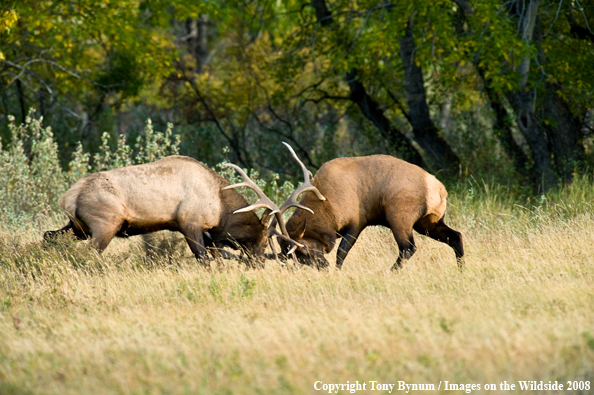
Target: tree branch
pixel 234 144
pixel 399 105
pixel 295 142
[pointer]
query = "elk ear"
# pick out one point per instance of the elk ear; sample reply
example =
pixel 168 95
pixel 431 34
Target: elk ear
pixel 300 231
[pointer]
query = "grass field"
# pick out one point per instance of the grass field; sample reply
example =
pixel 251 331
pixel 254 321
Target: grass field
pixel 72 322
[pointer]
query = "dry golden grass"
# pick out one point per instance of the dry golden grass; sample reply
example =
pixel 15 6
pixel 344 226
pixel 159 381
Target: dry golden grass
pixel 75 323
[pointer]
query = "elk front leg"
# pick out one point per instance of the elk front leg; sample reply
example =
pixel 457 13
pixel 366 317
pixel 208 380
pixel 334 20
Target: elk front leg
pixel 195 238
pixel 406 245
pixel 216 252
pixel 347 242
pixel 210 245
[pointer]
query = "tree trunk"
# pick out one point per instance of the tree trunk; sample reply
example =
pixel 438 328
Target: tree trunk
pixel 375 114
pixel 21 96
pixel 522 102
pixel 565 135
pixel 503 127
pixel 369 107
pixel 426 134
pixel 197 40
pixel 536 139
pixel 563 128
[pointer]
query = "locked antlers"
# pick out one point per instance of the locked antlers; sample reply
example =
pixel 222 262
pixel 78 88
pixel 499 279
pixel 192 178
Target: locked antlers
pixel 265 202
pixel 292 202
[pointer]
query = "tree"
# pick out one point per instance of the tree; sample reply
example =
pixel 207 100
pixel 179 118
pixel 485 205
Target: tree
pixel 72 60
pixel 358 94
pixel 433 82
pixel 549 101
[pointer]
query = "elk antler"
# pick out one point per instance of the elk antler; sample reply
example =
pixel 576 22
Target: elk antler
pixel 292 200
pixel 306 186
pixel 263 202
pixel 247 182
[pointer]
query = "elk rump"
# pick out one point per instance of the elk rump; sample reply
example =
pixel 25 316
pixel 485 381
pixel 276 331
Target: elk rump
pixel 364 191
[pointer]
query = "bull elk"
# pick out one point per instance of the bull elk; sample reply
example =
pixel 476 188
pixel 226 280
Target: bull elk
pixel 176 193
pixel 364 191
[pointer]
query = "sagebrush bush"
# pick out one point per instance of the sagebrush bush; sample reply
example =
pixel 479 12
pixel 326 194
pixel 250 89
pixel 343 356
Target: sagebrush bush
pixel 31 179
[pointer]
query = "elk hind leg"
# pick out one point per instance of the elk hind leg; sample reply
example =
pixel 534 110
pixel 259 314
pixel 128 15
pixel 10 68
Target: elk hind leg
pixel 406 245
pixel 441 232
pixel 102 232
pixel 79 233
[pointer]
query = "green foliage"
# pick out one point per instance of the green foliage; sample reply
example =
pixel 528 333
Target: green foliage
pixel 154 145
pixel 247 286
pixel 589 339
pixel 215 289
pixel 149 147
pixel 79 165
pixel 262 72
pixel 30 174
pixel 121 75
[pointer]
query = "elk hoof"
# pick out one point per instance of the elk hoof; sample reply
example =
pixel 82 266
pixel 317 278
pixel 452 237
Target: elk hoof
pixel 49 235
pixel 461 264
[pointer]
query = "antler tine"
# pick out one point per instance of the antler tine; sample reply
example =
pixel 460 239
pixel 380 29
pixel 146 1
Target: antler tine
pixel 283 234
pixel 276 233
pixel 292 200
pixel 306 186
pixel 247 182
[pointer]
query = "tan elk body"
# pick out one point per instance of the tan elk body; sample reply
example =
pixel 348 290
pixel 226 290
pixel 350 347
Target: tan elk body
pixel 176 193
pixel 371 190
